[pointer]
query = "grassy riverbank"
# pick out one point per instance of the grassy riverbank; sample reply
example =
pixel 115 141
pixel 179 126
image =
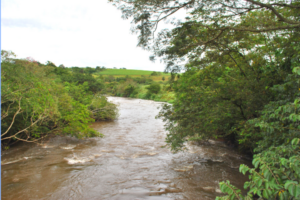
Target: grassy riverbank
pixel 140 84
pixel 41 99
pixel 161 92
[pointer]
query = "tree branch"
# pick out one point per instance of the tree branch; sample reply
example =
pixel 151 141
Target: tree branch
pixel 270 7
pixel 6 113
pixel 14 136
pixel 13 120
pixel 203 43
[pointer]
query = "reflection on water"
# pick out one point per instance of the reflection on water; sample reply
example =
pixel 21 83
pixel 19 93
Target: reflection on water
pixel 128 163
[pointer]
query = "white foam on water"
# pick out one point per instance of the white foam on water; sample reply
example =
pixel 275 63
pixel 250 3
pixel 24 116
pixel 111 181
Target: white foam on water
pixel 152 153
pixel 47 146
pixel 76 160
pixel 68 147
pixel 184 168
pixel 10 162
pixel 14 161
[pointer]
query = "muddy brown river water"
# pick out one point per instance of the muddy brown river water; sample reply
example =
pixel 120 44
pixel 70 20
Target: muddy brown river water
pixel 129 163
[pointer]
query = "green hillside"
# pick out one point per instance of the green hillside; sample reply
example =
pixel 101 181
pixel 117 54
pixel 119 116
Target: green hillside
pixel 126 72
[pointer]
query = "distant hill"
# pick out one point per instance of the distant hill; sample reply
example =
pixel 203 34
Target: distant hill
pixel 130 72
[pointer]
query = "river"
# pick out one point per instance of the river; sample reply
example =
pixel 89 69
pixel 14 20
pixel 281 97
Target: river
pixel 129 163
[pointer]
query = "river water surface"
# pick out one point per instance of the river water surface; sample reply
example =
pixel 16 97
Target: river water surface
pixel 128 163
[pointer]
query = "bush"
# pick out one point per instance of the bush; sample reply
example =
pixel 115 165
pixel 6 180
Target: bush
pixel 148 81
pixel 275 175
pixel 129 90
pixel 154 88
pixel 142 95
pixel 276 171
pixel 102 109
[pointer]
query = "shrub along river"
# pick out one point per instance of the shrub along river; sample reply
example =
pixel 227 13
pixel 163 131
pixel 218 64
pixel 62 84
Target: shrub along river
pixel 128 163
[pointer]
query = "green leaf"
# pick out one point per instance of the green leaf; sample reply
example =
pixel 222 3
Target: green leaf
pixel 255 162
pixel 281 196
pixel 259 193
pixel 292 189
pixel 265 194
pixel 259 183
pixel 295 142
pixel 297 193
pixel 289 183
pixel 296 70
pixel 246 184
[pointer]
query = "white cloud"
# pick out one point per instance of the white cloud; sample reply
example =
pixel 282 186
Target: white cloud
pixel 73 33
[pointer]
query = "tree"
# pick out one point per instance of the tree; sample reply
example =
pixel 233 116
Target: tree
pixel 89 70
pixel 154 74
pixel 6 56
pixel 49 63
pixel 209 24
pixel 26 101
pixel 153 88
pixel 127 88
pixel 34 102
pixel 163 78
pixel 102 109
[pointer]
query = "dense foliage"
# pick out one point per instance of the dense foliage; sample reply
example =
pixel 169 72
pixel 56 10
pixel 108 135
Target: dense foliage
pixel 241 81
pixel 275 175
pixel 38 99
pixel 136 85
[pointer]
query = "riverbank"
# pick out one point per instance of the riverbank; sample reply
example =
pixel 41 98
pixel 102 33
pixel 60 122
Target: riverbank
pixel 161 93
pixel 38 100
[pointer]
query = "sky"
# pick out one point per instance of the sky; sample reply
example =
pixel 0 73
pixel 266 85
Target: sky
pixel 73 33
